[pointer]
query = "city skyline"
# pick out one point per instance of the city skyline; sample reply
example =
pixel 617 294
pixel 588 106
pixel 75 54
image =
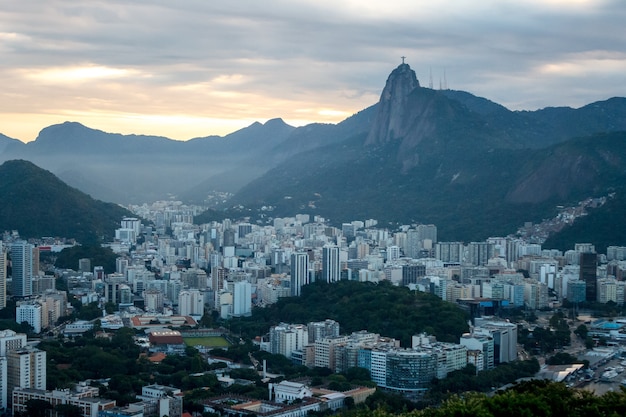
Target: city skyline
pixel 198 69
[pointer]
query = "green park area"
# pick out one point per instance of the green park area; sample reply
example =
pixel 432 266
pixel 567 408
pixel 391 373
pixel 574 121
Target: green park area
pixel 210 341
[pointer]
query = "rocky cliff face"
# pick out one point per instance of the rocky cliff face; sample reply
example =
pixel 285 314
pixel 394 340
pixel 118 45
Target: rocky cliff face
pixel 393 111
pixel 423 123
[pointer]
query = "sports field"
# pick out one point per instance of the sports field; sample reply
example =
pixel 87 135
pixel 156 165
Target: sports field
pixel 212 341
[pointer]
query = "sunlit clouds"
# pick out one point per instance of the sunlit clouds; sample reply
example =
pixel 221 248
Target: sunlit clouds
pixel 78 74
pixel 196 68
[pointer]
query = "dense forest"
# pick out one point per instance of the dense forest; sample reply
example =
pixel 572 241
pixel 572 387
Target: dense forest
pixel 379 308
pixel 100 256
pixel 36 203
pixel 536 398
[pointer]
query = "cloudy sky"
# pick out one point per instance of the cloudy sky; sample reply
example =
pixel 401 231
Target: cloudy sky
pixel 192 68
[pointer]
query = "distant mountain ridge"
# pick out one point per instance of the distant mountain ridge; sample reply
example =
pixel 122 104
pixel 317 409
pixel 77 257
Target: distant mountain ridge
pixel 418 155
pixel 135 168
pixel 456 160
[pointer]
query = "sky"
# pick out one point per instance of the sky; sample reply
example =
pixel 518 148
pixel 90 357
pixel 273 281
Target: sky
pixel 194 68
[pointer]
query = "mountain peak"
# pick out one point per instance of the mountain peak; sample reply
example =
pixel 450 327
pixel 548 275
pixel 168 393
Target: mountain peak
pixel 401 81
pixel 276 122
pixel 392 105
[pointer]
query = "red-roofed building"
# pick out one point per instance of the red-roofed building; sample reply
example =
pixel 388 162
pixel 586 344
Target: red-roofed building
pixel 166 337
pixel 157 357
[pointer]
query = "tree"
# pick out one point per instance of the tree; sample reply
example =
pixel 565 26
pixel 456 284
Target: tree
pixel 67 410
pixel 110 307
pixel 89 311
pixel 381 308
pixel 581 331
pixel 37 408
pixel 100 256
pixel 207 320
pixel 357 374
pixel 562 358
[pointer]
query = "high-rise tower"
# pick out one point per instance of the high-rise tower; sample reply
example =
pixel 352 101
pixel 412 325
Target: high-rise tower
pixel 3 276
pixel 299 272
pixel 330 264
pixel 588 274
pixel 22 266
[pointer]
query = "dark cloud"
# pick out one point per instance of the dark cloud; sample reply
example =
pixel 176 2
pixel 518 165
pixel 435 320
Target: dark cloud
pixel 304 55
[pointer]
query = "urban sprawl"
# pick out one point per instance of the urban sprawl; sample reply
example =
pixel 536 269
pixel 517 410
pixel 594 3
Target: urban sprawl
pixel 171 273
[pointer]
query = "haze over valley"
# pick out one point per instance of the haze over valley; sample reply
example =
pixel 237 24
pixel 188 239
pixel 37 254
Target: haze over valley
pixel 420 155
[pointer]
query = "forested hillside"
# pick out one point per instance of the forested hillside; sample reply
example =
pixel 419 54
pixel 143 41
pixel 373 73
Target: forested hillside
pixel 379 308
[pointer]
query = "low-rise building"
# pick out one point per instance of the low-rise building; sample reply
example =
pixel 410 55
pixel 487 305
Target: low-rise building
pixel 161 401
pixel 85 398
pixel 237 406
pixel 287 391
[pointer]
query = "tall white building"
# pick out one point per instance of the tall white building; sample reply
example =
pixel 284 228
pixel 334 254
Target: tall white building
pixel 504 336
pixel 9 340
pixel 393 253
pixel 30 313
pixel 121 265
pixel 131 223
pixel 3 276
pixel 478 253
pixel 26 368
pixel 325 351
pixel 450 252
pixel 607 290
pixel 483 344
pixel 242 298
pixel 4 393
pixel 153 300
pixel 285 338
pixel 413 244
pixel 299 272
pixel 331 266
pixel 22 267
pixel 322 329
pixel 378 367
pixel 126 236
pixel 190 303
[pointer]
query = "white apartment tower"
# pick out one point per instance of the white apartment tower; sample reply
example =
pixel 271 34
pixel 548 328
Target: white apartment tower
pixel 322 329
pixel 9 340
pixel 325 351
pixel 31 313
pixel 285 338
pixel 22 264
pixel 299 272
pixel 242 298
pixel 26 368
pixel 3 384
pixel 331 266
pixel 190 303
pixel 3 276
pixel 153 300
pixel 131 223
pixel 393 253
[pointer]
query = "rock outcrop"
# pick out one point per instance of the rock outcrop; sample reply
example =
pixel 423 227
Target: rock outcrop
pixel 393 111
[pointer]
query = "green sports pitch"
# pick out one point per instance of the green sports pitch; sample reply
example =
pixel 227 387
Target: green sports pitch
pixel 211 341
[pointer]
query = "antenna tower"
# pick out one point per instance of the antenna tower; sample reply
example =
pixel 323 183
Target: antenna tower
pixel 430 80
